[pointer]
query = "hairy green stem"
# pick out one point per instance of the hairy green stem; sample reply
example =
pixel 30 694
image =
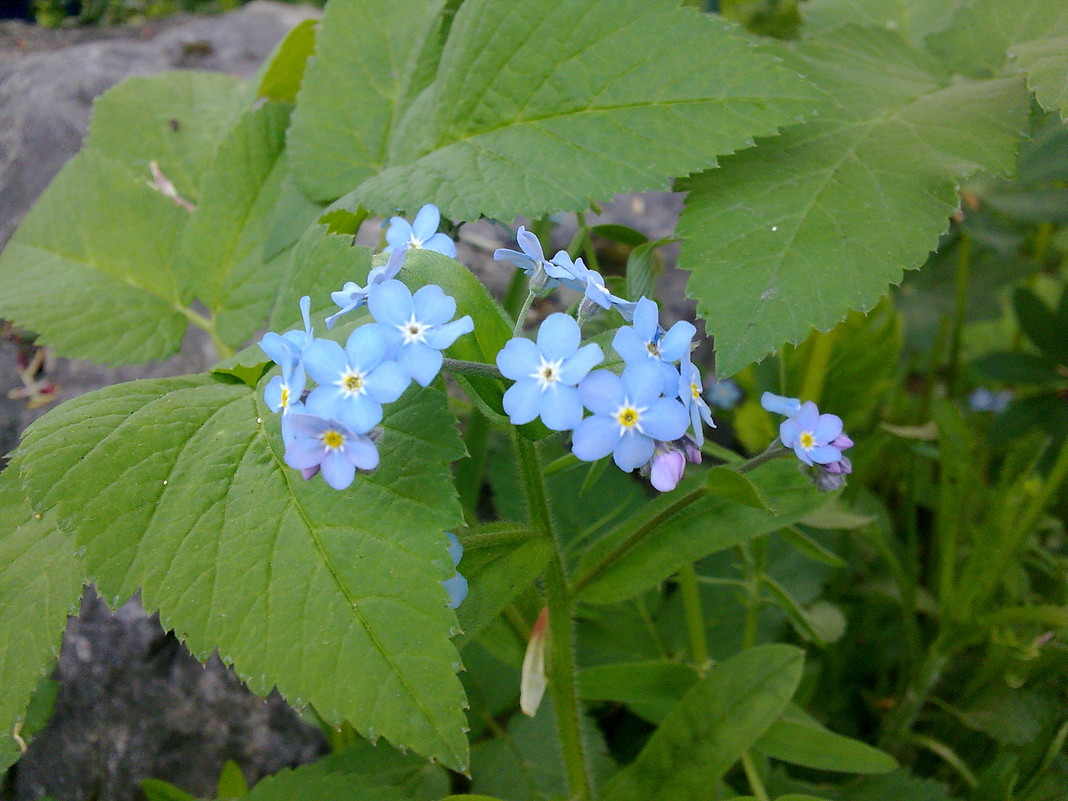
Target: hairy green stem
pixel 695 618
pixel 752 775
pixel 521 318
pixel 773 451
pixel 471 368
pixel 561 668
pixel 960 311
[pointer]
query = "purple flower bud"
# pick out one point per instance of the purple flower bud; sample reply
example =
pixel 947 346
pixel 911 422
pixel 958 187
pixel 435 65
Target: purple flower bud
pixel 667 470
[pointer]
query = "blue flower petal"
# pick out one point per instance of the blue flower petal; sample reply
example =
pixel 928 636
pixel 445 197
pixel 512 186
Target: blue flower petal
pixel 432 306
pixel 456 587
pixel 359 413
pixel 644 381
pixel 633 450
pixel 827 427
pixel 602 393
pixel 361 452
pixel 365 348
pixel 790 432
pixel 421 361
pixel 558 336
pixel 426 222
pixel 398 234
pixel 522 401
pixel 824 454
pixel 594 438
pixel 575 368
pixel 677 341
pixel 387 382
pixel 456 549
pixel 530 244
pixel 338 472
pixel 780 404
pixel 272 393
pixel 441 243
pixel 303 452
pixel 443 336
pixel 646 319
pixel 325 361
pixel 390 303
pixel 519 358
pixel 561 409
pixel 629 344
pixel 665 420
pixel 520 260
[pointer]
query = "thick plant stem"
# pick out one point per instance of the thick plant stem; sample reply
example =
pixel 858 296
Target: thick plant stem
pixel 561 666
pixel 695 618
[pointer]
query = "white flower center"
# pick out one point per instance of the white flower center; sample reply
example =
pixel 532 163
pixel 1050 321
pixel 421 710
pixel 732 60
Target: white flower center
pixel 629 417
pixel 352 383
pixel 413 330
pixel 413 243
pixel 547 374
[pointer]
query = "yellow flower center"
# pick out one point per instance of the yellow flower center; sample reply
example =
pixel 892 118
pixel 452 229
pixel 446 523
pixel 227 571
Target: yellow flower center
pixel 807 440
pixel 285 397
pixel 353 383
pixel 694 389
pixel 333 439
pixel 653 349
pixel 628 417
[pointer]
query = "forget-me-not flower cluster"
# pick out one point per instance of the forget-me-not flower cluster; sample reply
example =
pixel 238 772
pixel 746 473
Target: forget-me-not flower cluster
pixel 816 439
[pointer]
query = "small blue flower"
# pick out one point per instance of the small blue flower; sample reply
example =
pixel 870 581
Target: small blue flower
pixel 352 296
pixel 690 395
pixel 628 415
pixel 456 586
pixel 531 260
pixel 723 393
pixel 287 351
pixel 646 341
pixel 417 326
pixel 780 404
pixel 812 435
pixel 330 446
pixel 420 234
pixel 577 276
pixel 546 374
pixel 355 381
pixel 985 400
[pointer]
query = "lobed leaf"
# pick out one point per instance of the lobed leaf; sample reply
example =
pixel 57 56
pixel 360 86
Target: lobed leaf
pixel 1045 61
pixel 711 726
pixel 822 219
pixel 534 106
pixel 282 75
pixel 178 486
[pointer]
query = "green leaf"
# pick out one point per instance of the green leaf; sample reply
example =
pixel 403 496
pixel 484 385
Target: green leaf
pixel 735 486
pixel 40 581
pixel 524 763
pixel 178 486
pixel 537 105
pixel 914 18
pixel 979 36
pixel 495 576
pixel 176 119
pixel 232 782
pixel 636 682
pixel 1047 328
pixel 807 546
pixel 676 528
pixel 284 70
pixel 1045 62
pixel 644 268
pixel 376 51
pixel 822 219
pixel 159 790
pixel 101 228
pixel 896 786
pixel 621 234
pixel 222 248
pixel 1017 368
pixel 717 720
pixel 799 739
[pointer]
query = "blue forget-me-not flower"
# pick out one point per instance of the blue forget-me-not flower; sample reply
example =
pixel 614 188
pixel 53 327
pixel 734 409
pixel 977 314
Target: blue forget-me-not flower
pixel 420 234
pixel 546 374
pixel 331 446
pixel 646 342
pixel 690 394
pixel 530 258
pixel 352 295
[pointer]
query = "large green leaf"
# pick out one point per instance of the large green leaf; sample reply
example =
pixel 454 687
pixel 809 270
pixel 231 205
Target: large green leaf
pixel 222 248
pixel 977 40
pixel 711 726
pixel 40 581
pixel 822 219
pixel 282 74
pixel 536 105
pixel 178 486
pixel 671 531
pixel 799 739
pixel 369 64
pixel 1046 63
pixel 103 235
pixel 915 18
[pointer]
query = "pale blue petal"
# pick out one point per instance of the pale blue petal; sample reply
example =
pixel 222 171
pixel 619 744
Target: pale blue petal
pixel 602 393
pixel 522 401
pixel 272 393
pixel 828 426
pixel 643 381
pixel 390 303
pixel 426 222
pixel 338 472
pixel 304 452
pixel 359 413
pixel 443 336
pixel 456 549
pixel 594 438
pixel 441 243
pixel 456 587
pixel 558 336
pixel 432 306
pixel 561 409
pixel 632 451
pixel 808 416
pixel 518 358
pixel 387 382
pixel 361 452
pixel 308 425
pixel 779 404
pixel 676 342
pixel 575 369
pixel 365 348
pixel 530 244
pixel 790 433
pixel 665 420
pixel 325 361
pixel 399 233
pixel 520 260
pixel 825 454
pixel 421 361
pixel 279 350
pixel 392 267
pixel 646 319
pixel 629 344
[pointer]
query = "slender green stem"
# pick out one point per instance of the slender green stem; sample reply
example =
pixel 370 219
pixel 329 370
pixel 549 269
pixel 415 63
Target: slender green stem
pixel 960 312
pixel 561 668
pixel 753 562
pixel 948 755
pixel 521 318
pixel 819 357
pixel 587 243
pixel 207 324
pixel 774 450
pixel 497 537
pixel 471 368
pixel 695 618
pixel 752 775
